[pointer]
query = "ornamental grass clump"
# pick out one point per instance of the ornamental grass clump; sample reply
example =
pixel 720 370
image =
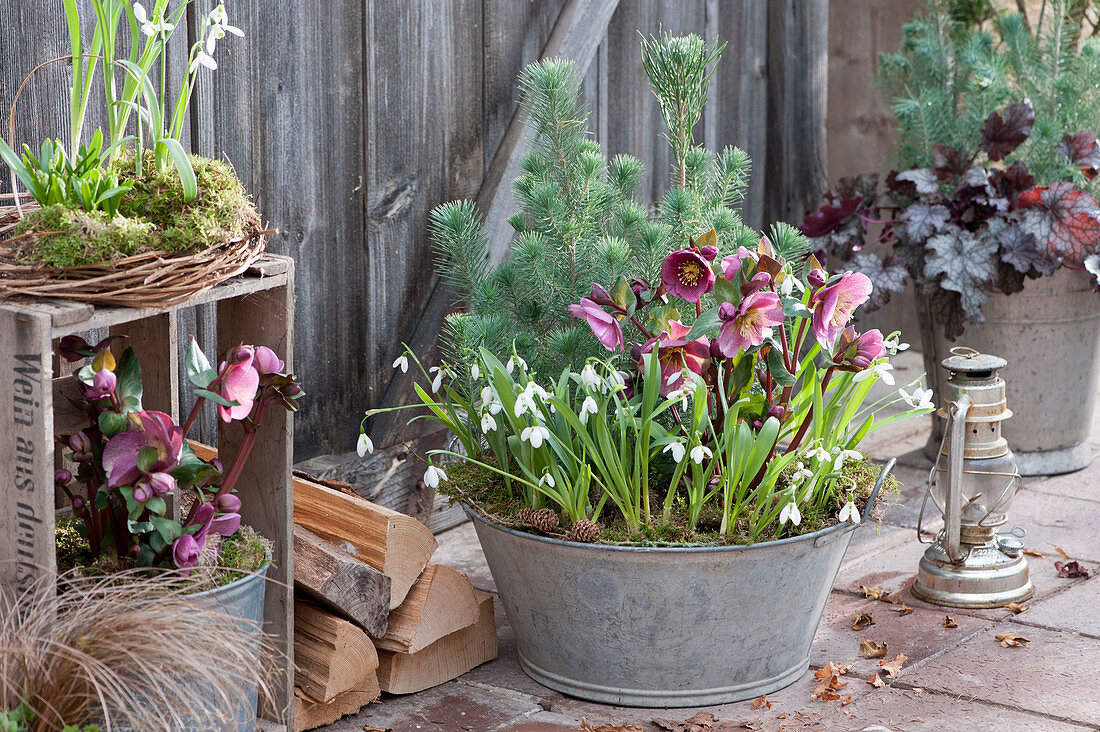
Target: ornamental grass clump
pixel 998 160
pixel 130 461
pixel 133 189
pixel 139 654
pixel 728 395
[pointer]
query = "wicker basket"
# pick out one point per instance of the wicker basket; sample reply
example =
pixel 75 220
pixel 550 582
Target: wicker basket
pixel 149 279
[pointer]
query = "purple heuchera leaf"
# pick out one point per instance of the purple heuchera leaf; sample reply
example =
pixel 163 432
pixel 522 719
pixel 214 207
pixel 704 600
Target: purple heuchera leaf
pixel 1001 135
pixel 923 179
pixel 950 162
pixel 1083 149
pixel 1018 249
pixel 1064 220
pixel 966 265
pixel 828 218
pixel 922 220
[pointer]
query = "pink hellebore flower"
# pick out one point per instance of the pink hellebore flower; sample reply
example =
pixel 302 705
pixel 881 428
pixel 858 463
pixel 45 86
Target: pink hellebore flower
pixel 266 362
pixel 604 325
pixel 676 354
pixel 833 305
pixel 154 429
pixel 239 383
pixel 188 548
pixel 856 353
pixel 186 552
pixel 731 264
pixel 687 274
pixel 102 386
pixel 748 324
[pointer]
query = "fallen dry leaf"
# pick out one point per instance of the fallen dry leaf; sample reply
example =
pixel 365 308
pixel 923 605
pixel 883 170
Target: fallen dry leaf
pixel 862 621
pixel 870 649
pixel 878 594
pixel 1061 552
pixel 1016 607
pixel 876 681
pixel 1034 553
pixel 587 726
pixel 368 728
pixel 699 722
pixel 902 609
pixel 828 681
pixel 1069 570
pixel 846 701
pixel 1011 640
pixel 893 668
pixel 761 702
pixel 949 622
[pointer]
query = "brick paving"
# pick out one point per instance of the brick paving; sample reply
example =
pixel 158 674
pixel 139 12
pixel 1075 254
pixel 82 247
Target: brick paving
pixel 955 679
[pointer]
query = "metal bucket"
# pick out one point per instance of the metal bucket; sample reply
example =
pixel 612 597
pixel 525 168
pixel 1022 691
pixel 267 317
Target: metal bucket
pixel 243 598
pixel 1049 334
pixel 664 627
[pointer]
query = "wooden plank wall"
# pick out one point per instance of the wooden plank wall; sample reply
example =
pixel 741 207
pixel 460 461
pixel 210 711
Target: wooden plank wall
pixel 349 119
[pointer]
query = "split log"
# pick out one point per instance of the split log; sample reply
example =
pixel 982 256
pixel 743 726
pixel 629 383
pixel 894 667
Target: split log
pixel 395 544
pixel 340 582
pixel 445 659
pixel 331 656
pixel 441 602
pixel 309 714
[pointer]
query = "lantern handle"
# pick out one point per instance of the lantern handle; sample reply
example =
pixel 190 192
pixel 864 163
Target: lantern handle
pixel 965 351
pixel 952 509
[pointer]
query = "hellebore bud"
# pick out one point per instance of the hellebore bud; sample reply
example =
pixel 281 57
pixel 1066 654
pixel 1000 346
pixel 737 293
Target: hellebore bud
pixel 227 503
pixel 62 477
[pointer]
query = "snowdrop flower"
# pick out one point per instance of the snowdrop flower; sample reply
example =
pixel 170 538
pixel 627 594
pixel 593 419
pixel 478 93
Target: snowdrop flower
pixel 402 362
pixel 677 449
pixel 513 361
pixel 700 453
pixel 433 476
pixel 219 22
pixel 893 347
pixel 676 376
pixel 437 381
pixel 364 445
pixel 844 456
pixel 615 380
pixel 488 423
pixel 547 479
pixel 789 283
pixel 801 473
pixel 880 370
pixel 790 513
pixel 202 58
pixel 486 394
pixel 148 27
pixel 533 389
pixel 820 454
pixel 590 378
pixel 475 372
pixel 919 399
pixel 536 435
pixel 849 512
pixel 588 406
pixel 681 395
pixel 524 404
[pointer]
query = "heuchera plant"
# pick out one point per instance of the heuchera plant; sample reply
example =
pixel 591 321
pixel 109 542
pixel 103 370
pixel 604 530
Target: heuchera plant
pixel 129 458
pixel 974 223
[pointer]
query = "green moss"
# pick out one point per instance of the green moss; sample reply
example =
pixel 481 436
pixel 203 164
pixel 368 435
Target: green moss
pixel 72 547
pixel 243 553
pixel 153 216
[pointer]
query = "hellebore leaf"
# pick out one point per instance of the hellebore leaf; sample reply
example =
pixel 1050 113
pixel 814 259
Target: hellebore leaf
pixel 922 220
pixel 128 385
pixel 886 274
pixel 862 620
pixel 1011 640
pixel 1003 134
pixel 923 178
pixel 1064 220
pixel 1083 150
pixel 827 219
pixel 966 264
pixel 1070 570
pixel 199 370
pixel 871 649
pixel 893 668
pixel 1018 249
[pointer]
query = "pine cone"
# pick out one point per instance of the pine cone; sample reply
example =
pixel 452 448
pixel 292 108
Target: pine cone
pixel 585 531
pixel 545 520
pixel 523 517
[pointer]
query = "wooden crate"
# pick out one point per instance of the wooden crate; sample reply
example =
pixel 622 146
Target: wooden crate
pixel 255 308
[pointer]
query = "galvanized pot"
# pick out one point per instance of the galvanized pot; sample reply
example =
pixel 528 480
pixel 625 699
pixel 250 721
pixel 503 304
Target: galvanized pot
pixel 664 627
pixel 243 598
pixel 1049 334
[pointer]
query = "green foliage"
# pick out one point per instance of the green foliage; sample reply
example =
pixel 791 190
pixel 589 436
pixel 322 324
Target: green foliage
pixel 952 72
pixel 51 178
pixel 580 220
pixel 149 218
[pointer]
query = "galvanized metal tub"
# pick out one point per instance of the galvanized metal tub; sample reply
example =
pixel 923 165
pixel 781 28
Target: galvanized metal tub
pixel 243 598
pixel 1050 334
pixel 664 627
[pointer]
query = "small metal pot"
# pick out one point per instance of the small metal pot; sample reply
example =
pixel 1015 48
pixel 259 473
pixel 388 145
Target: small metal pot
pixel 1049 333
pixel 664 627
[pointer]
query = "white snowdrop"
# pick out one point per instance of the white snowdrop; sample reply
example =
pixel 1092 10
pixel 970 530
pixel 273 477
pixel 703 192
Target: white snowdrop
pixel 364 445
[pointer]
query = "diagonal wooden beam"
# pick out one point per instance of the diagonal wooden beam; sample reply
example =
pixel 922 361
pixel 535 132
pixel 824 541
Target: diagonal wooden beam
pixel 577 34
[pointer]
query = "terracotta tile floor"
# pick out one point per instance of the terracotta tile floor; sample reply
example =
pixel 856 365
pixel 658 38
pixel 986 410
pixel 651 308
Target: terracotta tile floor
pixel 957 679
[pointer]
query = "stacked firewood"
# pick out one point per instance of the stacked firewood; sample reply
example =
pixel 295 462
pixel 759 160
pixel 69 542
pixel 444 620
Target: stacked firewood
pixel 372 613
